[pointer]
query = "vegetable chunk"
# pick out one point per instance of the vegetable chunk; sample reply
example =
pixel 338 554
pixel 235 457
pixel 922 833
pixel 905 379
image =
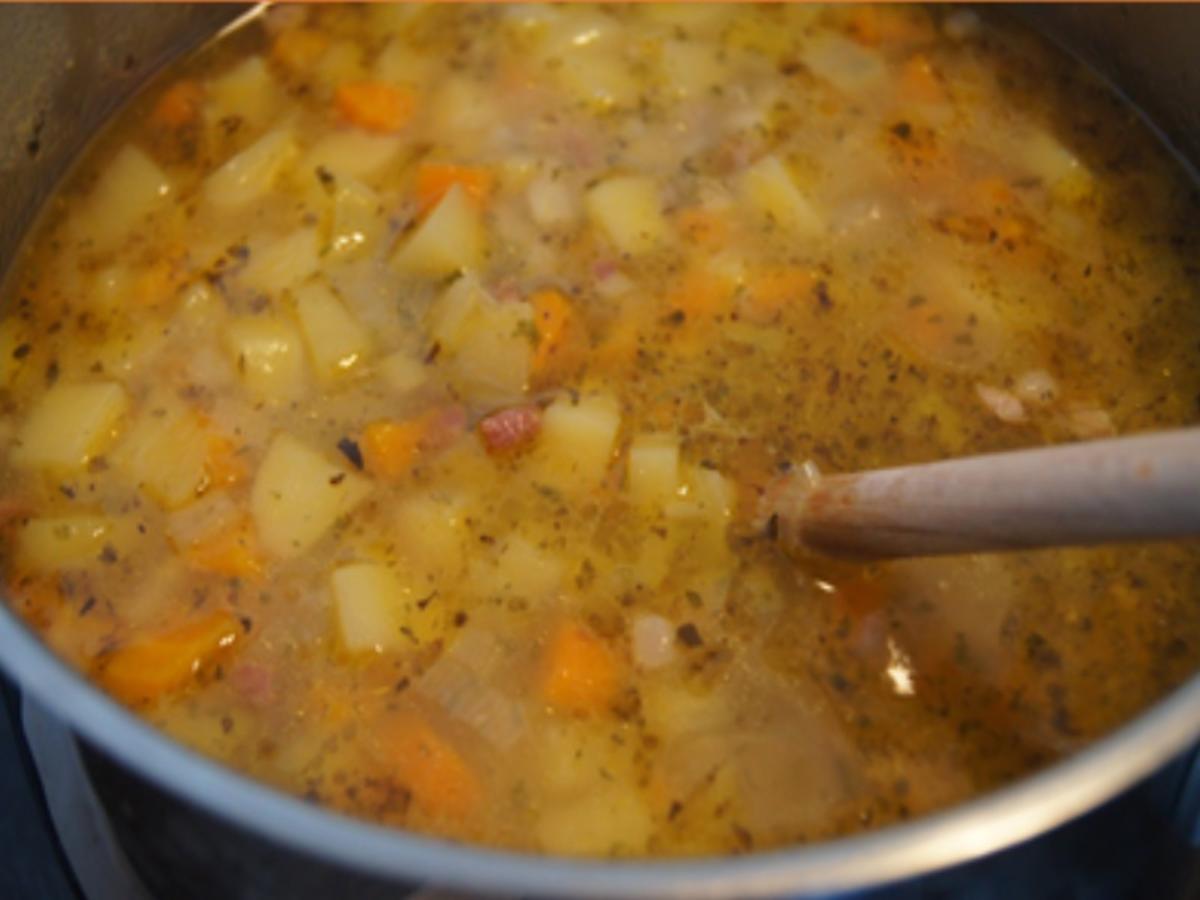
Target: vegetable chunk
pixel 580 674
pixel 298 494
pixel 628 210
pixel 159 663
pixel 70 425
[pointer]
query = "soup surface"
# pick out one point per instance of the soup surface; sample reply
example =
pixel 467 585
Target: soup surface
pixel 389 394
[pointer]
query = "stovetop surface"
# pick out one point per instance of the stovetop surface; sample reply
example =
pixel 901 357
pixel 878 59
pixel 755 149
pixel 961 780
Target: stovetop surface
pixel 32 863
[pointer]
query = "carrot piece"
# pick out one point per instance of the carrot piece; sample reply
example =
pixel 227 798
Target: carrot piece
pixel 701 295
pixel 580 674
pixel 703 227
pixel 560 339
pixel 232 552
pixel 435 179
pixel 441 781
pixel 223 467
pixel 153 665
pixel 389 448
pixel 179 105
pixel 374 105
pixel 919 83
pixel 298 48
pixel 767 293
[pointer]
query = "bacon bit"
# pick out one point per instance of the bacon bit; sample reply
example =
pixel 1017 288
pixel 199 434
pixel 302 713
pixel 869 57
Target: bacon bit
pixel 179 105
pixel 255 683
pixel 1005 405
pixel 510 430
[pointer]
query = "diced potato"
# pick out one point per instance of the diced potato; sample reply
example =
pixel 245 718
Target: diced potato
pixel 279 263
pixel 450 239
pixel 69 425
pixel 402 373
pixel 691 69
pixel 248 175
pixel 298 494
pixel 165 451
pixel 706 494
pixel 337 342
pixel 551 202
pixel 63 542
pixel 653 473
pixel 768 187
pixel 377 611
pixel 671 709
pixel 130 188
pixel 521 569
pixel 610 819
pixel 402 64
pixel 576 445
pixel 431 537
pixel 247 91
pixel 352 153
pixel 598 75
pixel 627 208
pixel 357 221
pixel 269 357
pixel 1046 157
pixel 486 346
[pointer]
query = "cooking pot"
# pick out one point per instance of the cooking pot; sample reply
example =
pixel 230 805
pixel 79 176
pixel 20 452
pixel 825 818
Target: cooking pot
pixel 1118 819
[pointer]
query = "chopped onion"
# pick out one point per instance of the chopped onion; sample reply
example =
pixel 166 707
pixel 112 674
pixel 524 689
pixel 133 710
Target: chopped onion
pixel 1037 386
pixel 459 683
pixel 1088 422
pixel 653 641
pixel 1006 406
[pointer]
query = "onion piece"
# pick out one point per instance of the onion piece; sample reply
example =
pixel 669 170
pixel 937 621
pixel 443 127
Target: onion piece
pixel 653 641
pixel 1006 406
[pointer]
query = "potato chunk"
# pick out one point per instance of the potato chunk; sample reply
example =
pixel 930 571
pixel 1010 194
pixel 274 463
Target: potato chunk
pixel 51 543
pixel 280 263
pixel 130 188
pixel 653 475
pixel 768 187
pixel 165 452
pixel 248 175
pixel 69 425
pixel 337 341
pixel 298 494
pixel 627 208
pixel 268 355
pixel 371 604
pixel 450 239
pixel 576 446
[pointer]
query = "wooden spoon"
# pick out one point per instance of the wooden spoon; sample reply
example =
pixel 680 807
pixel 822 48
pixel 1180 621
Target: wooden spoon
pixel 1124 489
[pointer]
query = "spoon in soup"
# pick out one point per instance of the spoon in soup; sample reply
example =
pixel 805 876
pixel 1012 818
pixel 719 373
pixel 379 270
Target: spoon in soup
pixel 1122 489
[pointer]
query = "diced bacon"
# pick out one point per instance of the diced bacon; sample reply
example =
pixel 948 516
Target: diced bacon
pixel 510 430
pixel 255 683
pixel 445 427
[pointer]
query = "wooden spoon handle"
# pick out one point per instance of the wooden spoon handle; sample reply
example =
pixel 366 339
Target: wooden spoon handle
pixel 1076 494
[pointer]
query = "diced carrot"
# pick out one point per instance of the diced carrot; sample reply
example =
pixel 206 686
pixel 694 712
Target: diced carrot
pixel 36 599
pixel 768 292
pixel 223 466
pixel 389 448
pixel 232 552
pixel 580 674
pixel 700 296
pixel 441 782
pixel 179 105
pixel 561 342
pixel 298 48
pixel 374 105
pixel 919 83
pixel 153 665
pixel 703 227
pixel 435 179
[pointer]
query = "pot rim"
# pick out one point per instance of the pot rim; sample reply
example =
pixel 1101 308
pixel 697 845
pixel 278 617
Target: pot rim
pixel 981 826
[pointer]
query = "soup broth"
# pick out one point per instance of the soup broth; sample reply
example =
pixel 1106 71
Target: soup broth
pixel 388 396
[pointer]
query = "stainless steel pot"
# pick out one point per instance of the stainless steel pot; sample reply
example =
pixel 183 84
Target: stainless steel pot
pixel 1116 820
